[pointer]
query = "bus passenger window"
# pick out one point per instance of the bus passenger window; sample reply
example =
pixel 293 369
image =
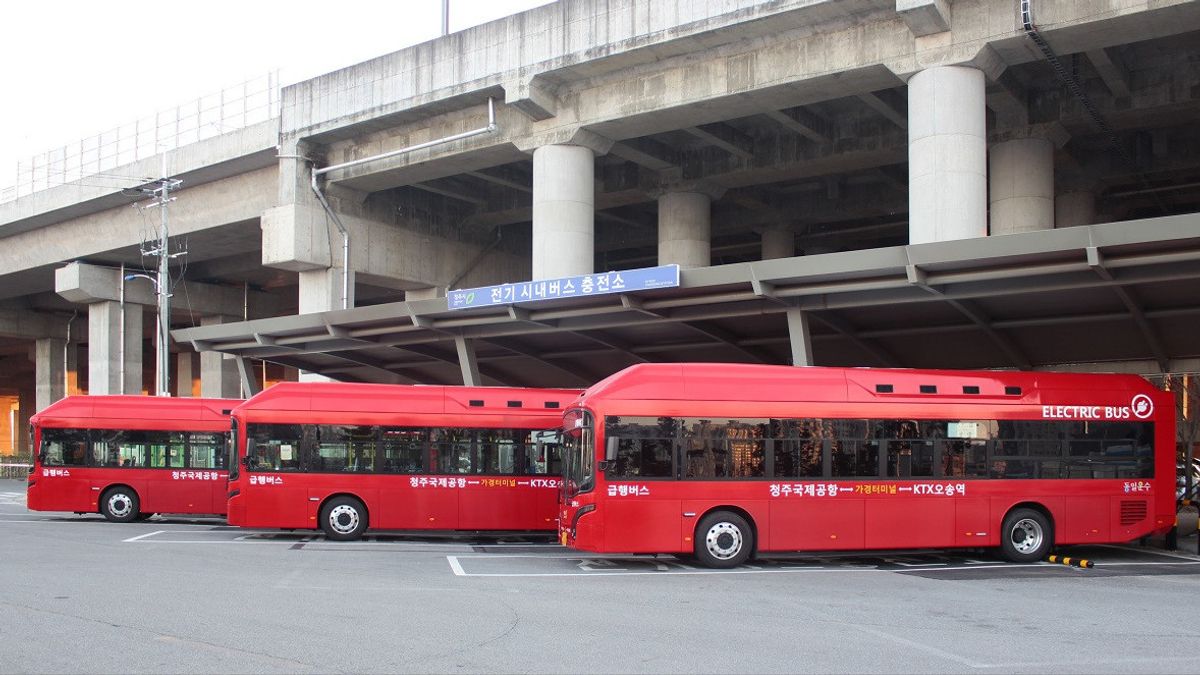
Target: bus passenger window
pixel 64 447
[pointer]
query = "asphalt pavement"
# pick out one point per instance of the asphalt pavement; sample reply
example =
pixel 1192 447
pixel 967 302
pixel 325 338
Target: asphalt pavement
pixel 79 594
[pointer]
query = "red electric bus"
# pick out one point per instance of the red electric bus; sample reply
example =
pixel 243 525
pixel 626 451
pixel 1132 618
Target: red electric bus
pixel 345 457
pixel 721 461
pixel 129 457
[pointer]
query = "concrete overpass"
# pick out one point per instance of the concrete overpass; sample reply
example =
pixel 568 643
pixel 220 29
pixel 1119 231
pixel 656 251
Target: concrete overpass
pixel 729 138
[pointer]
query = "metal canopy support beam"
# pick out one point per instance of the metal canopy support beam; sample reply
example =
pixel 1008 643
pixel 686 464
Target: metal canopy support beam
pixel 612 343
pixel 467 361
pixel 725 337
pixel 879 354
pixel 800 337
pixel 1096 262
pixel 361 360
pixel 249 382
pixel 515 347
pixel 917 277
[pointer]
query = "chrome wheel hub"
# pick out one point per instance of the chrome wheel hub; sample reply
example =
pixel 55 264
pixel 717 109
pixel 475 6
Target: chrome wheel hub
pixel 723 540
pixel 1027 535
pixel 343 519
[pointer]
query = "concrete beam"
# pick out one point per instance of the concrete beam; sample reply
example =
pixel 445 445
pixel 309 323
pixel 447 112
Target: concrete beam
pixel 924 17
pixel 807 124
pixel 1111 70
pixel 510 179
pixel 887 104
pixel 726 138
pixel 296 237
pixel 532 96
pixel 647 153
pixel 28 325
pixel 84 283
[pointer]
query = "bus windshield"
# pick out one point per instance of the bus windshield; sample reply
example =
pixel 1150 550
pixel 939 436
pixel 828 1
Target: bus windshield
pixel 579 474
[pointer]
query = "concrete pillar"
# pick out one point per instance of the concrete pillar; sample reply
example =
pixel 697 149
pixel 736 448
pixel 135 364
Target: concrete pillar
pixel 1021 185
pixel 108 355
pixel 947 155
pixel 321 289
pixel 778 242
pixel 50 370
pixel 685 229
pixel 564 202
pixel 185 373
pixel 218 373
pixel 1077 207
pixel 27 402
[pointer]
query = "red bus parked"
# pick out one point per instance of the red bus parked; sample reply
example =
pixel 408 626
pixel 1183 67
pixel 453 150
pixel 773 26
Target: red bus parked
pixel 345 457
pixel 129 457
pixel 721 461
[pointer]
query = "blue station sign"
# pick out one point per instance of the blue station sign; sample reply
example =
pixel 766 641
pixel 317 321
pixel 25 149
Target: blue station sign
pixel 603 283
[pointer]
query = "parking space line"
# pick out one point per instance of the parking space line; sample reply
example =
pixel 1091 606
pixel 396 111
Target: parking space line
pixel 141 536
pixel 455 563
pixel 47 521
pixel 1168 554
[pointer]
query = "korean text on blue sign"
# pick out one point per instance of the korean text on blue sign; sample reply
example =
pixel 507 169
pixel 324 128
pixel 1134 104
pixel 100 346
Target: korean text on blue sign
pixel 623 281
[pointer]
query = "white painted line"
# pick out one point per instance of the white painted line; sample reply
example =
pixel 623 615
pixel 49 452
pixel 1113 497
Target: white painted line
pixel 142 536
pixel 1097 565
pixel 1167 554
pixel 42 521
pixel 456 565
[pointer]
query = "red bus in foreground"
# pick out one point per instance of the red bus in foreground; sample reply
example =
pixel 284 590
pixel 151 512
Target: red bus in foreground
pixel 129 457
pixel 721 461
pixel 345 457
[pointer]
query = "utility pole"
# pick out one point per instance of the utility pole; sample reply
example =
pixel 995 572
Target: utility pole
pixel 162 282
pixel 445 17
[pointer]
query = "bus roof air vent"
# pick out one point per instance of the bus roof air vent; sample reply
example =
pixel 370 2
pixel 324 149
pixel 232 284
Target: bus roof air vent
pixel 883 389
pixel 476 402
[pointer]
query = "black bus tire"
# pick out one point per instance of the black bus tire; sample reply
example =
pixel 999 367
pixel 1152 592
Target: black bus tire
pixel 344 519
pixel 119 504
pixel 723 539
pixel 1026 536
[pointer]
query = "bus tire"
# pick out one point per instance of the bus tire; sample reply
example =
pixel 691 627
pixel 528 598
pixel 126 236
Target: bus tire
pixel 119 504
pixel 344 519
pixel 723 540
pixel 1026 536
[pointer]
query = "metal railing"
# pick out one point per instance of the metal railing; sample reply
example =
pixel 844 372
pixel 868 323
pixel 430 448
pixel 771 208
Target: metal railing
pixel 12 469
pixel 91 161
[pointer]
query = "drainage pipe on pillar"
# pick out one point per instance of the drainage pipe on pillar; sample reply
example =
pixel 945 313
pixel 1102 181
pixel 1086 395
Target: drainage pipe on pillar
pixel 345 242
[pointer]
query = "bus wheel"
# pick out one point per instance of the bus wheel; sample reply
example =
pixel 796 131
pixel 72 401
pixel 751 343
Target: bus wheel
pixel 1026 536
pixel 723 540
pixel 119 505
pixel 344 519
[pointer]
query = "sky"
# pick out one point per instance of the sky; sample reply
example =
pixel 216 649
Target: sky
pixel 74 69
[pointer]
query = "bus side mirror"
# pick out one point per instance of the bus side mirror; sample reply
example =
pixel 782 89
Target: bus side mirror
pixel 603 466
pixel 610 448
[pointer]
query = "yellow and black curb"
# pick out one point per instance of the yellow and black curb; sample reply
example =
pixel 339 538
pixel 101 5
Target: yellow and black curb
pixel 1073 562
